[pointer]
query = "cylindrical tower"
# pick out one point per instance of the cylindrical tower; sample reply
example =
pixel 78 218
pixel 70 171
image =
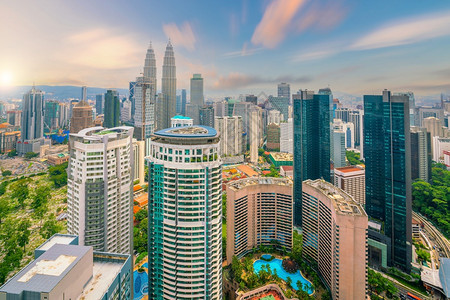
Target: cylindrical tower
pixel 185 214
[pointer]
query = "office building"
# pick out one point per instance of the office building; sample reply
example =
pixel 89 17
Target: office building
pixel 206 116
pixel 139 161
pixel 343 114
pixel 183 102
pixel 254 133
pixel 349 131
pixel 62 269
pixel 433 126
pixel 131 86
pixel 281 104
pixel 273 137
pixel 197 97
pixel 185 214
pixel 338 153
pixel 274 116
pixel 99 104
pixel 178 104
pixel 439 146
pixel 424 112
pixel 13 117
pixel 145 106
pixel 72 104
pixel 284 90
pixel 356 117
pixel 125 111
pixel 335 238
pixel 32 122
pixel 112 109
pixel 421 154
pixel 230 130
pixel 169 86
pixel 352 180
pixel 312 149
pixel 83 93
pixel 259 212
pixel 193 112
pixel 252 99
pixel 179 121
pixel 100 188
pixel 287 136
pixel 221 108
pixel 150 70
pixel 81 117
pixel 387 152
pixel 51 115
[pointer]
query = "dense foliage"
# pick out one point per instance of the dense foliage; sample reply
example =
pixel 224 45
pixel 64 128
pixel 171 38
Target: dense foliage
pixel 140 231
pixel 380 284
pixel 29 155
pixel 353 158
pixel 432 200
pixel 58 174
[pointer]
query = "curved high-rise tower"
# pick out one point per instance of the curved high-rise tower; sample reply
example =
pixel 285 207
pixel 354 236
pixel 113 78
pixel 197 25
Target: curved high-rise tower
pixel 169 87
pixel 185 214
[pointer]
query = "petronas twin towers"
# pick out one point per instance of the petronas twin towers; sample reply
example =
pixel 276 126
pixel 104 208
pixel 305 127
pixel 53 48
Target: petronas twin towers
pixel 166 101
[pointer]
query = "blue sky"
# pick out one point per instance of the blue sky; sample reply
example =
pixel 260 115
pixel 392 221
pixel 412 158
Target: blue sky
pixel 357 47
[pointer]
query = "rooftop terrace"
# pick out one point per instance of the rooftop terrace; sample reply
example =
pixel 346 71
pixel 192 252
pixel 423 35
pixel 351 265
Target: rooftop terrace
pixel 187 131
pixel 242 183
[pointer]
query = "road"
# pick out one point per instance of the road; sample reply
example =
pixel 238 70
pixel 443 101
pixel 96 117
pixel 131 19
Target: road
pixel 435 235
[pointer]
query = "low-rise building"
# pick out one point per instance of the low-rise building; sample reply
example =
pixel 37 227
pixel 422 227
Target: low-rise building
pixel 58 159
pixel 352 179
pixel 64 270
pixel 259 212
pixel 281 159
pixel 287 171
pixel 178 121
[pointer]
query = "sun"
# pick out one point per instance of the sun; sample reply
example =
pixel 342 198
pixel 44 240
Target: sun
pixel 5 78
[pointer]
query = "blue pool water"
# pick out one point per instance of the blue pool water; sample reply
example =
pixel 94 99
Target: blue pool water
pixel 145 265
pixel 266 256
pixel 140 284
pixel 275 264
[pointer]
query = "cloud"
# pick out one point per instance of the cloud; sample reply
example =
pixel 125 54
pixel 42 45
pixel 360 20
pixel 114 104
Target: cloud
pixel 238 80
pixel 245 51
pixel 406 32
pixel 275 22
pixel 321 16
pixel 101 48
pixel 183 36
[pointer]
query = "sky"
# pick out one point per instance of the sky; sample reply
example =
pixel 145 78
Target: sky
pixel 247 46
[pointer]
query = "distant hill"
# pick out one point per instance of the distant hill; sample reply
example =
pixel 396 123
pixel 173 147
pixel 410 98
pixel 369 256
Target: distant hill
pixel 56 92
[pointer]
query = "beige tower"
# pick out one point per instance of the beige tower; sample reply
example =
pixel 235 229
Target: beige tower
pixel 81 117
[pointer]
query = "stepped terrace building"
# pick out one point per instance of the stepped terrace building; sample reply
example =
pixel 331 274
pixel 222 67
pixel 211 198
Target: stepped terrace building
pixel 259 212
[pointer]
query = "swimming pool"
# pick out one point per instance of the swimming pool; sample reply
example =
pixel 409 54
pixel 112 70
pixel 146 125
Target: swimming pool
pixel 140 284
pixel 275 264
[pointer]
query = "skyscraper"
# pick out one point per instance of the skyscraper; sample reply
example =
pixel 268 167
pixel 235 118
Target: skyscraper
pixel 112 109
pixel 125 112
pixel 100 188
pixel 387 152
pixel 32 122
pixel 206 116
pixel 183 102
pixel 284 90
pixel 421 154
pixel 83 93
pixel 150 69
pixel 185 214
pixel 312 116
pixel 287 136
pixel 169 86
pixel 230 130
pixel 132 84
pixel 51 115
pixel 197 96
pixel 252 99
pixel 99 104
pixel 338 154
pixel 81 117
pixel 145 107
pixel 281 104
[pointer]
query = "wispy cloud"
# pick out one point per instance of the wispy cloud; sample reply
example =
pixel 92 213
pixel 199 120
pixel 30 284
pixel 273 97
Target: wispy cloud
pixel 406 32
pixel 181 36
pixel 322 17
pixel 275 22
pixel 240 80
pixel 245 51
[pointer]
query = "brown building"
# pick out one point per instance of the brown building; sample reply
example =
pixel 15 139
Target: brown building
pixel 9 135
pixel 81 117
pixel 273 137
pixel 57 159
pixel 259 211
pixel 352 179
pixel 335 238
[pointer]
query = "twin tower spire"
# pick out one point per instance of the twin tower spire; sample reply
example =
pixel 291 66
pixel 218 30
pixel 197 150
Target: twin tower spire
pixel 168 82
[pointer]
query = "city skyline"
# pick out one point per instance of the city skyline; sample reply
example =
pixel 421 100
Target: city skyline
pixel 348 45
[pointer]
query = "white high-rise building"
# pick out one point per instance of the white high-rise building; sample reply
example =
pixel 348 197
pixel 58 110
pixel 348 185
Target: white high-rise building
pixel 254 134
pixel 274 116
pixel 169 87
pixel 338 153
pixel 287 136
pixel 139 161
pixel 145 107
pixel 349 130
pixel 439 146
pixel 100 188
pixel 185 214
pixel 125 112
pixel 230 130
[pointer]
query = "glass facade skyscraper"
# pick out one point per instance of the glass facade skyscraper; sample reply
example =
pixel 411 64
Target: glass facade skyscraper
pixel 387 152
pixel 112 109
pixel 312 152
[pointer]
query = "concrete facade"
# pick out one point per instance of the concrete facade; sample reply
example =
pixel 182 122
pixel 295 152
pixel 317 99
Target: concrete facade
pixel 352 180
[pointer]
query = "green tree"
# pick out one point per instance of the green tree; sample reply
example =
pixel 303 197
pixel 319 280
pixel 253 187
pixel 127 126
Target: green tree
pixel 21 192
pixel 3 186
pixel 141 215
pixel 6 173
pixel 4 208
pixel 353 158
pixel 30 155
pixel 23 233
pixel 58 175
pixel 236 268
pixel 289 282
pixel 50 227
pixel 12 153
pixel 40 197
